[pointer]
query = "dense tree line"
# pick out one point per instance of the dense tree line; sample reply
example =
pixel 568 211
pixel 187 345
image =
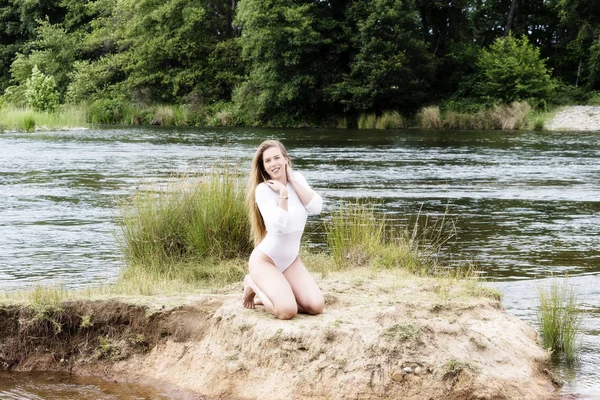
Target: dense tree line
pixel 286 62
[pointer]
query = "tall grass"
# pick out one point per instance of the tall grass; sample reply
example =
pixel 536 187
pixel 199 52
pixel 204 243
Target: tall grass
pixel 357 235
pixel 559 316
pixel 27 120
pixel 354 234
pixel 367 121
pixel 388 120
pixel 511 116
pixel 180 231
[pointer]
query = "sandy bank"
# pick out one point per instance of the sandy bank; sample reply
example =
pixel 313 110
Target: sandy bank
pixel 380 337
pixel 576 118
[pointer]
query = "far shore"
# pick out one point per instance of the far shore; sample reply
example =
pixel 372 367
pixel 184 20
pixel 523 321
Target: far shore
pixel 516 116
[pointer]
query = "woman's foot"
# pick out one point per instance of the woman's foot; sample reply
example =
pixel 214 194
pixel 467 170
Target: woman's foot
pixel 248 296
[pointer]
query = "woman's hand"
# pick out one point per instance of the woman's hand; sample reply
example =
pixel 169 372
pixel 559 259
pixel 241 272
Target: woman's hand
pixel 277 186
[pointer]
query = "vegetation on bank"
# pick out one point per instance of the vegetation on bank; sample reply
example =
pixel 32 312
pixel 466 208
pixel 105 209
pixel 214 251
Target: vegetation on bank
pixel 514 116
pixel 281 63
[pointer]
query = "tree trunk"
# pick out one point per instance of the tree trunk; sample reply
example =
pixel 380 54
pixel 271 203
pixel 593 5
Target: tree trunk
pixel 511 15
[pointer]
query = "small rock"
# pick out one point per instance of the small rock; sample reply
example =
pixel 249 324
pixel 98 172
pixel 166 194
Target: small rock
pixel 407 370
pixel 418 370
pixel 397 376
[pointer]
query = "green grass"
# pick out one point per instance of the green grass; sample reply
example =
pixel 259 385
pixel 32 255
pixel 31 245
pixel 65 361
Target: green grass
pixel 354 234
pixel 389 120
pixel 26 120
pixel 403 332
pixel 367 121
pixel 358 235
pixel 513 116
pixel 559 317
pixel 183 230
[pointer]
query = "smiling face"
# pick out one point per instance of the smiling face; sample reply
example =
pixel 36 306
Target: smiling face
pixel 274 162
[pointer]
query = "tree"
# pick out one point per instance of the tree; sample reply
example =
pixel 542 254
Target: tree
pixel 41 91
pixel 511 69
pixel 283 42
pixel 390 66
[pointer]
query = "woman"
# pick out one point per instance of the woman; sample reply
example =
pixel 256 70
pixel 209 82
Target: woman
pixel 279 201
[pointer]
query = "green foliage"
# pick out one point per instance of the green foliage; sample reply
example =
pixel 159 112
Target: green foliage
pixel 390 67
pixel 28 124
pixel 512 70
pixel 282 41
pixel 109 111
pixel 189 222
pixel 41 92
pixel 559 317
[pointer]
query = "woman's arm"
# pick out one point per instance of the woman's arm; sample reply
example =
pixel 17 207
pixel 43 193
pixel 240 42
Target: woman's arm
pixel 274 216
pixel 311 200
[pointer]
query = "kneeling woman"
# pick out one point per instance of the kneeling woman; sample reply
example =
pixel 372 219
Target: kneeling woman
pixel 279 201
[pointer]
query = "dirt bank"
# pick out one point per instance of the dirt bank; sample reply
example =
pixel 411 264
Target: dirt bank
pixel 380 337
pixel 576 118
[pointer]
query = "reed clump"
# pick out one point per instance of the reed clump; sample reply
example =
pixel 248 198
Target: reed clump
pixel 182 230
pixel 511 116
pixel 358 235
pixel 559 317
pixel 367 121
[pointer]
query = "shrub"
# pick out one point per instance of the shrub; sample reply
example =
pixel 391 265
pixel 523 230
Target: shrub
pixel 41 92
pixel 28 123
pixel 512 70
pixel 109 111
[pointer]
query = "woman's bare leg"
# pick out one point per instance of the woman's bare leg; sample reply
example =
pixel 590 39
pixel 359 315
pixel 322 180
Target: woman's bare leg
pixel 270 286
pixel 308 295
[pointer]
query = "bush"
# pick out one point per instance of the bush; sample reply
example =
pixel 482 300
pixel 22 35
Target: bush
pixel 28 124
pixel 109 111
pixel 41 92
pixel 512 70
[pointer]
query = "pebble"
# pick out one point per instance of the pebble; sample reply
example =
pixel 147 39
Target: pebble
pixel 418 370
pixel 408 370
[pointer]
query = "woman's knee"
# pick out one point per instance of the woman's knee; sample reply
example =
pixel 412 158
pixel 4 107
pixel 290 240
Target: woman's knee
pixel 287 311
pixel 314 306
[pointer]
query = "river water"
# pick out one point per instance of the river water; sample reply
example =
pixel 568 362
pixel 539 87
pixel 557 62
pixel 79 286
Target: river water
pixel 525 204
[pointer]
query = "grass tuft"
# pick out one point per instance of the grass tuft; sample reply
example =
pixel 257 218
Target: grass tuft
pixel 559 317
pixel 389 120
pixel 358 235
pixel 367 121
pixel 183 230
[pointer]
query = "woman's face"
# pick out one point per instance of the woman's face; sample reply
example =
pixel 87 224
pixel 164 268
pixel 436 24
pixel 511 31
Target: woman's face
pixel 274 162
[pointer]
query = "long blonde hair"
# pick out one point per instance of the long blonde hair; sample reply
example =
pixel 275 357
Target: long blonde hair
pixel 258 174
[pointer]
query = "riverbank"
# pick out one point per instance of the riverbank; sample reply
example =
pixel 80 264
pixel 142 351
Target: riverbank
pixel 576 118
pixel 383 335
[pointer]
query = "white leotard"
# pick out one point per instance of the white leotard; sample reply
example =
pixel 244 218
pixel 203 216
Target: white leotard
pixel 284 228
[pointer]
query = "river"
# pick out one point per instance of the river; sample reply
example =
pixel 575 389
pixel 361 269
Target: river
pixel 525 204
